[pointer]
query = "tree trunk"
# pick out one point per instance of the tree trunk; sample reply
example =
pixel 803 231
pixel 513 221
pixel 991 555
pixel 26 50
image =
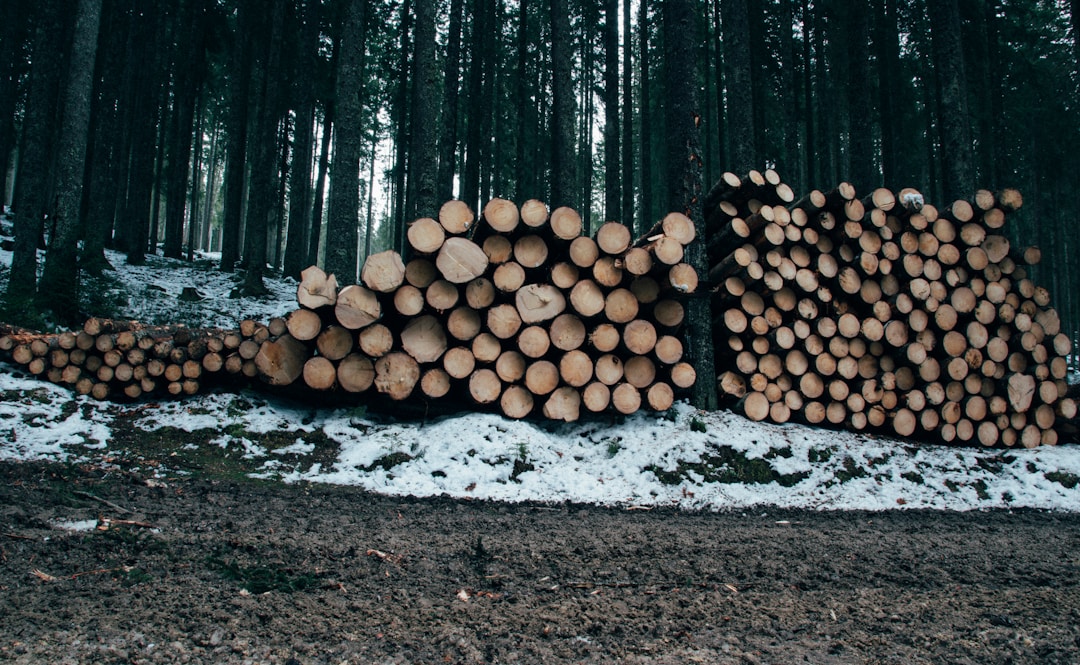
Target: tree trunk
pixel 958 168
pixel 684 175
pixel 300 175
pixel 627 216
pixel 645 114
pixel 862 167
pixel 401 125
pixel 563 156
pixel 59 290
pixel 236 132
pixel 613 200
pixel 425 115
pixel 451 84
pixel 343 223
pixel 265 62
pixel 739 83
pixel 104 195
pixel 188 72
pixel 31 191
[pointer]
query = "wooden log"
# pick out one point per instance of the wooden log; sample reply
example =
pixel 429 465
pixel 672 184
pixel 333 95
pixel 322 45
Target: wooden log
pixel 613 238
pixel 565 223
pixel 639 336
pixel 435 383
pixel 383 272
pixel 425 235
pixel 626 398
pixel 497 249
pixel 357 307
pixel 501 215
pixel 668 349
pixel 511 366
pixel 486 348
pixel 456 217
pixel 605 337
pixel 334 342
pixel 319 373
pixel 637 261
pixel 408 300
pixel 480 293
pixel 534 213
pixel 316 288
pixel 534 342
pixel 621 306
pixel 376 340
pixel 584 252
pixel 678 226
pixel 509 277
pixel 442 295
pixel 564 404
pixel 1021 391
pixel 420 273
pixel 484 386
pixel 396 375
pixel 463 323
pixel 424 339
pixel 503 321
pixel 279 362
pixel 541 377
pixel 564 275
pixel 683 375
pixel 586 298
pixel 606 272
pixel 459 362
pixel 576 368
pixel 530 251
pixel 596 397
pixel 302 324
pixel 660 396
pixel 460 260
pixel 539 302
pixel 567 332
pixel 516 402
pixel 683 278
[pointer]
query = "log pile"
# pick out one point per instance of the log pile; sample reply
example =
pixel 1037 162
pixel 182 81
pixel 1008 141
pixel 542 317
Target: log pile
pixel 516 311
pixel 883 313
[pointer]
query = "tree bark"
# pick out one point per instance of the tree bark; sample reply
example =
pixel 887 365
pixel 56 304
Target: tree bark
pixel 425 115
pixel 957 160
pixel 265 63
pixel 739 81
pixel 343 223
pixel 451 84
pixel 564 154
pixel 613 200
pixel 31 191
pixel 59 290
pixel 684 176
pixel 300 194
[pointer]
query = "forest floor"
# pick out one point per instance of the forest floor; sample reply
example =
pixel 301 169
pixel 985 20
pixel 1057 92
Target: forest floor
pixel 104 566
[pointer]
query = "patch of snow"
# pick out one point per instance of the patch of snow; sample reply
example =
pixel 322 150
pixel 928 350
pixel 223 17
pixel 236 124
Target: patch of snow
pixel 75 525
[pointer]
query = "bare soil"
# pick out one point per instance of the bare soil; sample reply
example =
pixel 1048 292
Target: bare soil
pixel 226 571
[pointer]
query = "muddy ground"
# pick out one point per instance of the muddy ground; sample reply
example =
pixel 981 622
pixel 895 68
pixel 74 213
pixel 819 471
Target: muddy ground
pixel 227 571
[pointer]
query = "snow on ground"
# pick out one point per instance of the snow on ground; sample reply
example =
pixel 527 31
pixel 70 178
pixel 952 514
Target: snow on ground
pixel 685 458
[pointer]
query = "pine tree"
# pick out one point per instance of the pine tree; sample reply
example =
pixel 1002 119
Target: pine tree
pixel 343 222
pixel 59 288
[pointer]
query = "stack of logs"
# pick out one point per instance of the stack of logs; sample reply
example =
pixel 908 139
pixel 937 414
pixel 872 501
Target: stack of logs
pixel 520 310
pixel 883 313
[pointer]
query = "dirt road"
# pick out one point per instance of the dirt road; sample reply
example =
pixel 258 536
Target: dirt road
pixel 241 572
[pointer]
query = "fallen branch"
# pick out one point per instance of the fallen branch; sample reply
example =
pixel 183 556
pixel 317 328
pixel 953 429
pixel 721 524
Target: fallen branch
pixel 87 495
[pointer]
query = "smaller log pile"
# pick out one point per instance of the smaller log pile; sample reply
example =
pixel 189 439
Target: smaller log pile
pixel 883 313
pixel 111 359
pixel 519 312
